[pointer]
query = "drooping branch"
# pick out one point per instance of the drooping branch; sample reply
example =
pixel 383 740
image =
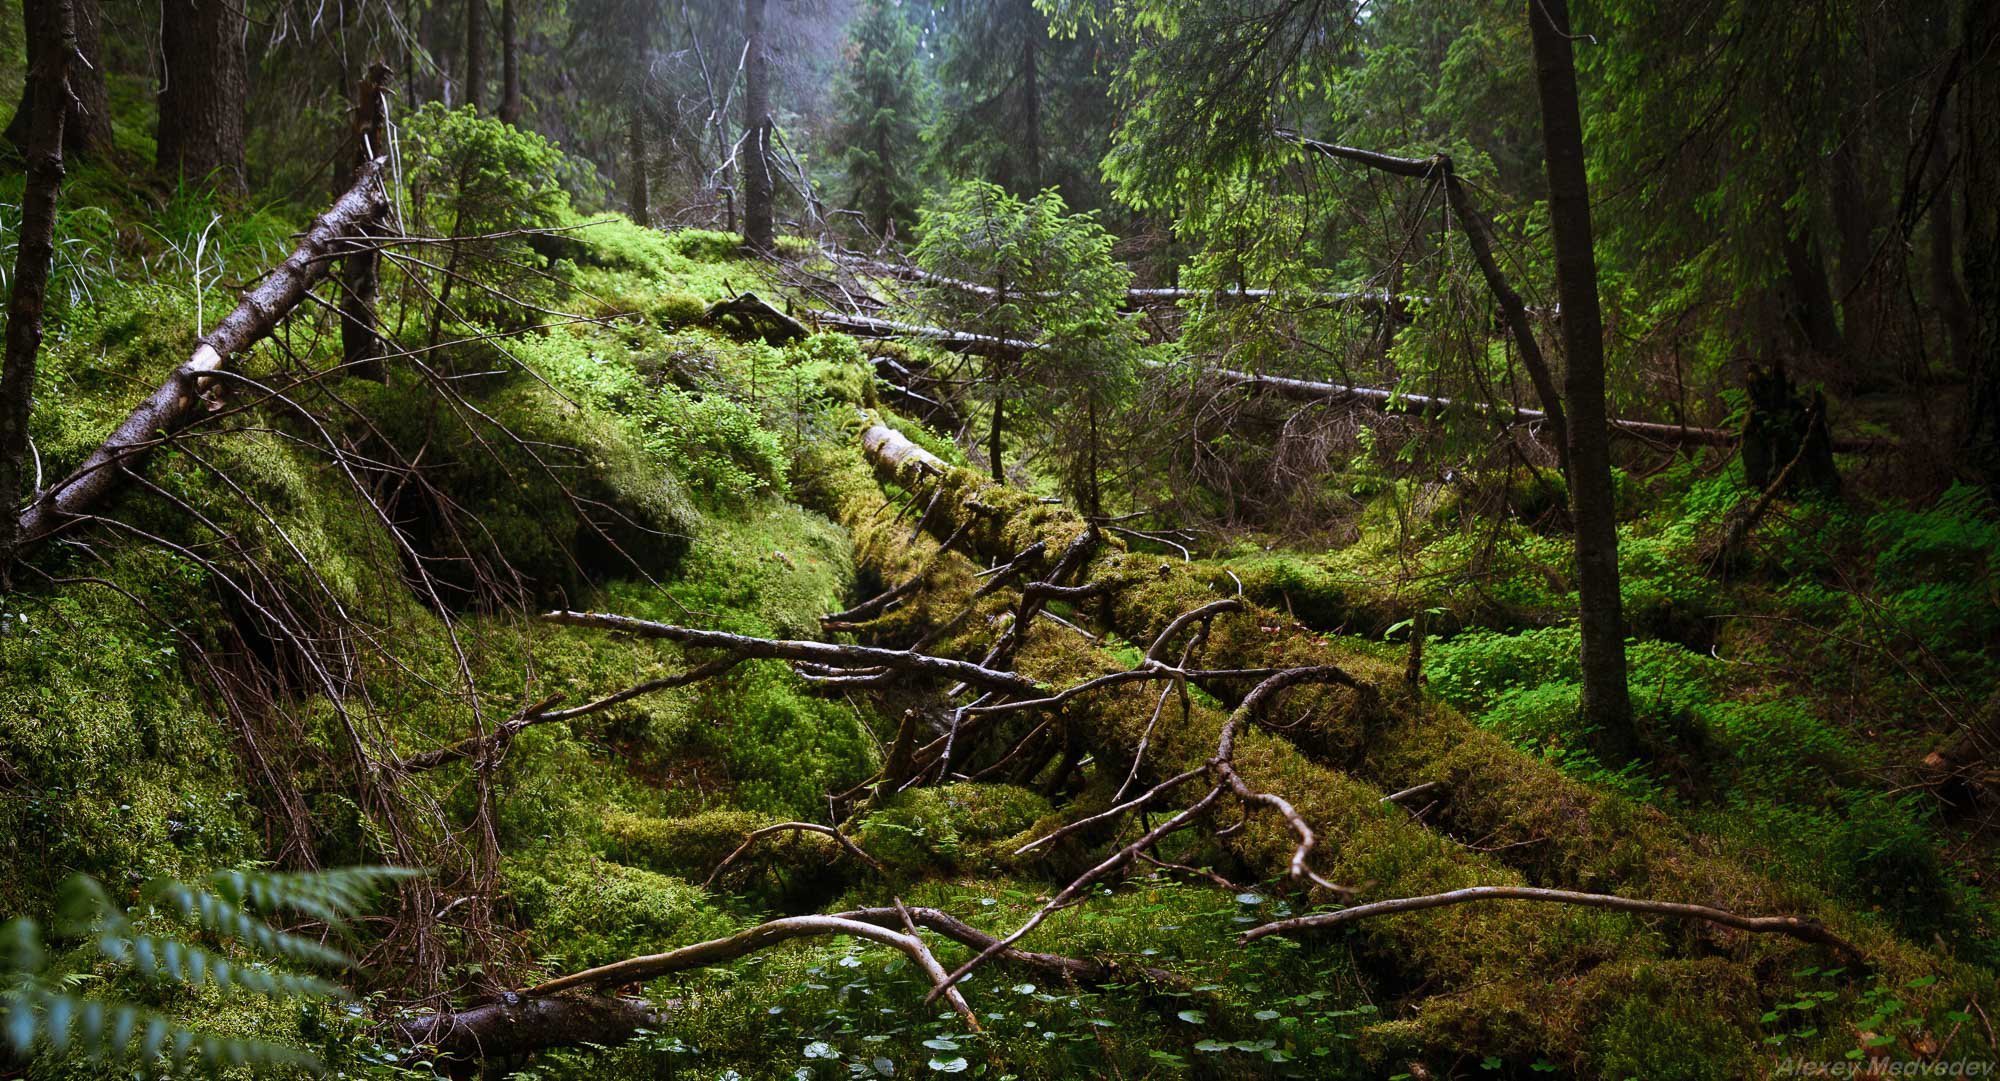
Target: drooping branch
pixel 826 654
pixel 173 404
pixel 1806 930
pixel 1438 169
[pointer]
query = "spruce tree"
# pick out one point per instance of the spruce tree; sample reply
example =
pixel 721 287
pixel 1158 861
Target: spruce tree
pixel 878 104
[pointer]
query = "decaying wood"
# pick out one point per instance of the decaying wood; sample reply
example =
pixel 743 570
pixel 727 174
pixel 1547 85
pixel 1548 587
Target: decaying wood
pixel 173 404
pixel 516 1024
pixel 1396 306
pixel 572 1010
pixel 1803 929
pixel 825 654
pixel 1315 391
pixel 776 326
pixel 651 967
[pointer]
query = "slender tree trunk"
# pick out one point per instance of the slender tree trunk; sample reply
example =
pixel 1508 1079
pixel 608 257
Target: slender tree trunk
pixel 475 52
pixel 1812 300
pixel 1979 146
pixel 1606 701
pixel 994 451
pixel 87 126
pixel 757 228
pixel 510 64
pixel 1857 218
pixel 204 83
pixel 1947 289
pixel 55 24
pixel 360 345
pixel 1031 95
pixel 638 201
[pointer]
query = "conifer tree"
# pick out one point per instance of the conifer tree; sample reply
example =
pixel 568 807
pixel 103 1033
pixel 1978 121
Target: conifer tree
pixel 878 102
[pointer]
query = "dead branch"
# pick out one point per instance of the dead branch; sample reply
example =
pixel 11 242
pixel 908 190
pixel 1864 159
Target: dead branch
pixel 792 827
pixel 1804 929
pixel 761 937
pixel 173 404
pixel 826 654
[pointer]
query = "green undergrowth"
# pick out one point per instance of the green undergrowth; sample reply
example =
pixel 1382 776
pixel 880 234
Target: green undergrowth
pixel 835 1008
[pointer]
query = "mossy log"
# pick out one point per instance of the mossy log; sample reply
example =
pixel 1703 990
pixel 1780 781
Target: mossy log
pixel 1484 971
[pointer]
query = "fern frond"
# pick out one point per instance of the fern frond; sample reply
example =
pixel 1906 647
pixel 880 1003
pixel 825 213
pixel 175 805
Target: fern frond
pixel 172 961
pixel 222 917
pixel 21 946
pixel 329 895
pixel 38 1019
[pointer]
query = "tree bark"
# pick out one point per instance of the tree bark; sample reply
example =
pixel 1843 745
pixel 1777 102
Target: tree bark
pixel 638 200
pixel 1947 289
pixel 55 24
pixel 1979 146
pixel 204 83
pixel 1031 95
pixel 757 225
pixel 1856 216
pixel 173 403
pixel 475 52
pixel 360 346
pixel 1606 700
pixel 510 64
pixel 1812 299
pixel 87 122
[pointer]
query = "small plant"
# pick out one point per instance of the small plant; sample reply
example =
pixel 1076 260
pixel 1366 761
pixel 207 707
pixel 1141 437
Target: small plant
pixel 153 942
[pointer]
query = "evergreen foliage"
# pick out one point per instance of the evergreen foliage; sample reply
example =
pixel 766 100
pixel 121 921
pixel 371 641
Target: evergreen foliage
pixel 879 110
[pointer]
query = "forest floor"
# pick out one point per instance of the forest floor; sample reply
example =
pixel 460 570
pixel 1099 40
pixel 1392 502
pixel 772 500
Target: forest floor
pixel 153 720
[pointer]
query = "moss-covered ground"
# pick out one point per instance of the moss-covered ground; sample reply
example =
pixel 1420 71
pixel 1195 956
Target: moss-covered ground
pixel 183 691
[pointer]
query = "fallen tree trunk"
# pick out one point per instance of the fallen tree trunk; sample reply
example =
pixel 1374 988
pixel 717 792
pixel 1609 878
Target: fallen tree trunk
pixel 1555 829
pixel 1137 297
pixel 1309 390
pixel 516 1024
pixel 1480 966
pixel 173 404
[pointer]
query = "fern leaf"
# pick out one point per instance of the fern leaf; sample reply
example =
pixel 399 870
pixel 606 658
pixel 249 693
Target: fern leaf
pixel 224 918
pixel 103 1031
pixel 166 960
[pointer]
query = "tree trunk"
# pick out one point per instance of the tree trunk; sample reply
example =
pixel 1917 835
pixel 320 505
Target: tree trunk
pixel 475 51
pixel 87 124
pixel 1857 218
pixel 204 83
pixel 1606 701
pixel 1947 289
pixel 55 24
pixel 1979 145
pixel 1812 300
pixel 994 451
pixel 638 200
pixel 1031 96
pixel 360 345
pixel 510 64
pixel 757 228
